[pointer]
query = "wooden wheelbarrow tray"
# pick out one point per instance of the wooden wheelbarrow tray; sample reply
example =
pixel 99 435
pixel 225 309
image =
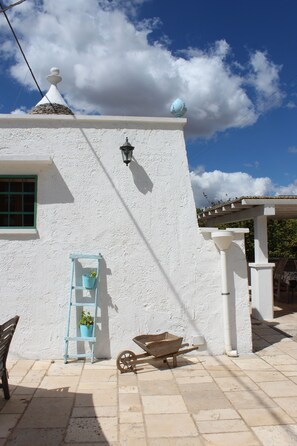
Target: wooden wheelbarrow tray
pixel 162 346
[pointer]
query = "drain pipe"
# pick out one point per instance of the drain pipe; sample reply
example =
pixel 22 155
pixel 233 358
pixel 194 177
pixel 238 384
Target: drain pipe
pixel 223 240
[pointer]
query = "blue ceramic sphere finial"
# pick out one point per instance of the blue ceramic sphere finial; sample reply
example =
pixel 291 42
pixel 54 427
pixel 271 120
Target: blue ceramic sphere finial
pixel 178 108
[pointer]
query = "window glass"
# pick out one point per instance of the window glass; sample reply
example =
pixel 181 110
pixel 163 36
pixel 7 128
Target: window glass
pixel 18 201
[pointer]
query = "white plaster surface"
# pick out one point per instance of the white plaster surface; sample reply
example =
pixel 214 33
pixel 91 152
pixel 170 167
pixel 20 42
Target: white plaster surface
pixel 158 271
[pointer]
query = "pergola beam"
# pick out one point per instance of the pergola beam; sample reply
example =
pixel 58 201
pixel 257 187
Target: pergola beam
pixel 247 214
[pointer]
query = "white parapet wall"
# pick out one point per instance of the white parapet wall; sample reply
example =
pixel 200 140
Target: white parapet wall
pixel 159 272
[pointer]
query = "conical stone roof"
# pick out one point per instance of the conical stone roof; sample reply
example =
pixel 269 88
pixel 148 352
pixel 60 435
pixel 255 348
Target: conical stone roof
pixel 52 102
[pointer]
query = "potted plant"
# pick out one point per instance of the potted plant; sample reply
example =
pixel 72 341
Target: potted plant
pixel 89 280
pixel 86 324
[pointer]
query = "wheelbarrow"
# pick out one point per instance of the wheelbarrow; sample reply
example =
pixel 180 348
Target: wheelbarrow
pixel 162 346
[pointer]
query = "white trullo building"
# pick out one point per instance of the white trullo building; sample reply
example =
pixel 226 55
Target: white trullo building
pixel 65 189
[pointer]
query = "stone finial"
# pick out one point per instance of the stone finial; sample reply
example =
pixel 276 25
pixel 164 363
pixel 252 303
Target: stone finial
pixel 54 77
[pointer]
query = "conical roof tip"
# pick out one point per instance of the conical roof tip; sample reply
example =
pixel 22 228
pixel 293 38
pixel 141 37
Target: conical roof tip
pixel 52 102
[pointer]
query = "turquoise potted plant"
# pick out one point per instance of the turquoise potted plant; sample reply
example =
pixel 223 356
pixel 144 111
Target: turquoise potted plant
pixel 89 280
pixel 86 324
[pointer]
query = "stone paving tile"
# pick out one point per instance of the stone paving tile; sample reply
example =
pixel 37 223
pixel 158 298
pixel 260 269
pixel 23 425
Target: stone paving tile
pixel 7 423
pixel 279 359
pixel 285 435
pixel 228 439
pixel 2 403
pixel 153 375
pixel 131 417
pixel 92 430
pixel 163 404
pixel 16 404
pixel 218 363
pixel 192 379
pixel 285 368
pixel 250 400
pixel 193 369
pixel 216 414
pixel 265 416
pixel 129 402
pixel 36 437
pixel 273 338
pixel 103 397
pixel 96 385
pixel 197 441
pixel 289 404
pixel 26 389
pixel 57 386
pixel 94 411
pixel 170 425
pixel 41 365
pixel 229 384
pixel 102 375
pixel 283 388
pixel 269 351
pixel 265 375
pixel 128 389
pixel 221 426
pixel 21 367
pixel 253 363
pixel 293 378
pixel 127 379
pixel 226 373
pixel 203 396
pixel 100 364
pixel 158 388
pixel 133 442
pixel 96 443
pixel 58 368
pixel 14 380
pixel 131 431
pixel 47 413
pixel 290 373
pixel 34 376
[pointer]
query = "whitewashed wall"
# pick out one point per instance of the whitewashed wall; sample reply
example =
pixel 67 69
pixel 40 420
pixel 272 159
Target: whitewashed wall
pixel 159 272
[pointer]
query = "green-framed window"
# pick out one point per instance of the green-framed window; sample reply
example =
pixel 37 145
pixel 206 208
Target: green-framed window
pixel 18 195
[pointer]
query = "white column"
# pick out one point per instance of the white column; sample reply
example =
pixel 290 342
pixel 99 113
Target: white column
pixel 223 240
pixel 261 239
pixel 261 273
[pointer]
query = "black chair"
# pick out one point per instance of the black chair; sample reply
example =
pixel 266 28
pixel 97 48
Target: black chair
pixel 6 333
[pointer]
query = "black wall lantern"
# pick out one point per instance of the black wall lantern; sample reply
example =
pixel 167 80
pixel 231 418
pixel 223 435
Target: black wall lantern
pixel 127 152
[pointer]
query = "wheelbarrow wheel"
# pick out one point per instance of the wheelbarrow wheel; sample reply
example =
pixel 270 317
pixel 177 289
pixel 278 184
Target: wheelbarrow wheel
pixel 126 361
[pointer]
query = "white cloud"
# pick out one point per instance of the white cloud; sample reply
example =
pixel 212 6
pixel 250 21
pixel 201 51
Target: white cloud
pixel 254 165
pixel 292 149
pixel 265 79
pixel 109 66
pixel 211 187
pixel 19 111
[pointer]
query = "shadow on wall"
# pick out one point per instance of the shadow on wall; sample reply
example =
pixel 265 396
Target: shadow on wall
pixel 52 188
pixel 102 348
pixel 141 179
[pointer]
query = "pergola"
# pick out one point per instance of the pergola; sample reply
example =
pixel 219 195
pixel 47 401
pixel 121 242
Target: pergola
pixel 259 209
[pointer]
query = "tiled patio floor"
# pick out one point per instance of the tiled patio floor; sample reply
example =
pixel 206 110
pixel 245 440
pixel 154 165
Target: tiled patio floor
pixel 245 401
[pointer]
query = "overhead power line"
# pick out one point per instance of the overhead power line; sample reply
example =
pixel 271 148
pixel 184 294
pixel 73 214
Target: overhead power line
pixel 11 6
pixel 21 49
pixel 22 52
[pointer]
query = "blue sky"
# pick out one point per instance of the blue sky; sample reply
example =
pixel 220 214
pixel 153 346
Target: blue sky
pixel 233 62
